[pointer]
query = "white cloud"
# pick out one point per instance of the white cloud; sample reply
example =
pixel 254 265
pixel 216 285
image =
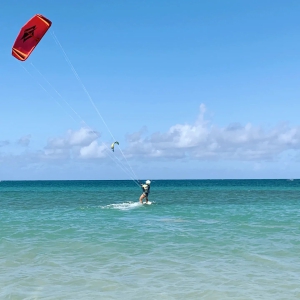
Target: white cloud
pixel 203 140
pixel 80 138
pixel 75 144
pixel 93 150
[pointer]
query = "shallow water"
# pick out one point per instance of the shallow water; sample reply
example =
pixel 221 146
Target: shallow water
pixel 199 239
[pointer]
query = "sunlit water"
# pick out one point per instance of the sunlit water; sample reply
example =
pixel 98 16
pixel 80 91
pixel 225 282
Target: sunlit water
pixel 230 239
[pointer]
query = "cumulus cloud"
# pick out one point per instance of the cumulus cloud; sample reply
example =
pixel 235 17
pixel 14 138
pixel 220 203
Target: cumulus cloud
pixel 80 138
pixel 78 145
pixel 200 140
pixel 93 150
pixel 203 140
pixel 81 144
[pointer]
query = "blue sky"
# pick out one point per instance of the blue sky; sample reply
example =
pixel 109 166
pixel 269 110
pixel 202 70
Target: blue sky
pixel 190 89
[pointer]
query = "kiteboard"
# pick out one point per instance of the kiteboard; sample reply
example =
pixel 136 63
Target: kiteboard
pixel 148 203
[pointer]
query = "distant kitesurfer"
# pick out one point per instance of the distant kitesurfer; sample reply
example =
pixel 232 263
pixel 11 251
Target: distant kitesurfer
pixel 146 190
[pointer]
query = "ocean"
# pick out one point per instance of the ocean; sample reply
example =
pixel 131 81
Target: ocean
pixel 199 239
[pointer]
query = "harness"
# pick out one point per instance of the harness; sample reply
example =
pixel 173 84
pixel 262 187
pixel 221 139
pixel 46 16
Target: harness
pixel 146 188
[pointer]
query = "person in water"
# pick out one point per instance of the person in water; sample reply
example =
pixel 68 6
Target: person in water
pixel 146 191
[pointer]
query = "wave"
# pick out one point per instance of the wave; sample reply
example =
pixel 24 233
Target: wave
pixel 123 206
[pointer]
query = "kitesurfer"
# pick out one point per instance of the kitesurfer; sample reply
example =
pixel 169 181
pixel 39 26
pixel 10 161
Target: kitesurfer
pixel 146 190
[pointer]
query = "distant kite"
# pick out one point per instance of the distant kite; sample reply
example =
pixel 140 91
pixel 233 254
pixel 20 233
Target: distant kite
pixel 30 35
pixel 113 146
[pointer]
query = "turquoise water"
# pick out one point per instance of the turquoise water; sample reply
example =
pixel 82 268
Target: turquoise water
pixel 200 239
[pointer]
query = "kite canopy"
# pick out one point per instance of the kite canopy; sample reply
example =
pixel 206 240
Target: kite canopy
pixel 113 145
pixel 30 35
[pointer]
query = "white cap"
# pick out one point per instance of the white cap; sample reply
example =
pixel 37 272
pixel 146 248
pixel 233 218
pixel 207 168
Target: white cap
pixel 148 182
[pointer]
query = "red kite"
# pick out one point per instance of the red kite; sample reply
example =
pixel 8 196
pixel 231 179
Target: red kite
pixel 30 35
